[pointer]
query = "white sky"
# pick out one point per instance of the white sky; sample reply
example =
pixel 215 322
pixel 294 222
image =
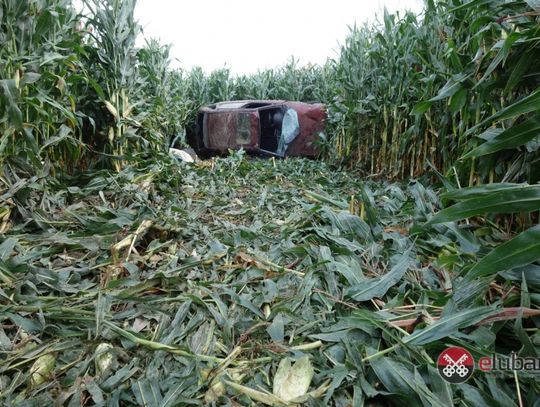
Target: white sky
pixel 247 35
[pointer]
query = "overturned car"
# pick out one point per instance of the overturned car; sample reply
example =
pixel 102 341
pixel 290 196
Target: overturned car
pixel 266 127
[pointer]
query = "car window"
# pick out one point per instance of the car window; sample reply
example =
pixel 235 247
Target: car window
pixel 230 105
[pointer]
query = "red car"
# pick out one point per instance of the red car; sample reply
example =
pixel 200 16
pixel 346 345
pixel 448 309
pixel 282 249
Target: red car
pixel 267 127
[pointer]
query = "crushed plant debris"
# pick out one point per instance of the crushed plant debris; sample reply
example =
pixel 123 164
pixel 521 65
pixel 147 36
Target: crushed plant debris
pixel 238 281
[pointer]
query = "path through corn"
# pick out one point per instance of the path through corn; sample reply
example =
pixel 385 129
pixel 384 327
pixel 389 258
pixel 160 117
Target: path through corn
pixel 176 285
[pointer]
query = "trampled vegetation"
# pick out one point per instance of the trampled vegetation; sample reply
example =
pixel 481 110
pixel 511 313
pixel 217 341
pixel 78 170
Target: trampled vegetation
pixel 127 278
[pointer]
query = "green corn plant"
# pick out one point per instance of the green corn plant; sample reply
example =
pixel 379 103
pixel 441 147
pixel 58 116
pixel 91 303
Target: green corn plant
pixel 510 146
pixel 40 118
pixel 115 31
pixel 163 109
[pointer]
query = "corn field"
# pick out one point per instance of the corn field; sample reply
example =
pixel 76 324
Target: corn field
pixel 129 278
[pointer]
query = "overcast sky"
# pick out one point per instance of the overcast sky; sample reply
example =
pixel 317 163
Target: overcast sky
pixel 246 35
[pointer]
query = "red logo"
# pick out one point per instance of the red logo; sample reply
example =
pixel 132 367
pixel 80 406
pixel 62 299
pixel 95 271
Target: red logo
pixel 455 364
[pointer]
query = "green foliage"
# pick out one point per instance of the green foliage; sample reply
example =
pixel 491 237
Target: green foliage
pixel 176 281
pixel 39 68
pixel 522 250
pixel 170 284
pixel 76 93
pixel 402 92
pixel 507 198
pixel 415 90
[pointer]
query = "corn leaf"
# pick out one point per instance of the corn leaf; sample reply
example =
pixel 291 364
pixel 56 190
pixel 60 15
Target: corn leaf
pixel 449 325
pixel 519 251
pixel 377 287
pixel 527 104
pixel 513 137
pixel 508 200
pixel 480 190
